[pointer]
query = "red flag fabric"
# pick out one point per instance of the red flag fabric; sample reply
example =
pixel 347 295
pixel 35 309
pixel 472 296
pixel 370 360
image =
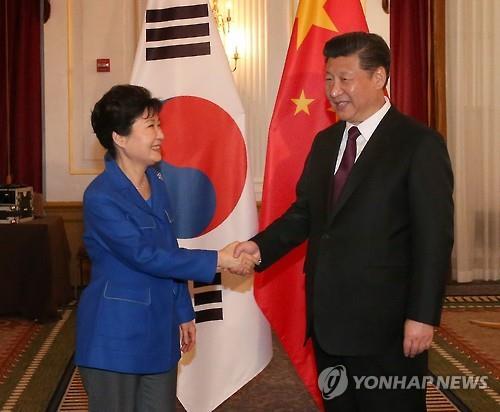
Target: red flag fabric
pixel 301 110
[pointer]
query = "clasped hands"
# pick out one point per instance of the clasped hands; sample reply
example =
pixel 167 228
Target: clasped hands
pixel 239 258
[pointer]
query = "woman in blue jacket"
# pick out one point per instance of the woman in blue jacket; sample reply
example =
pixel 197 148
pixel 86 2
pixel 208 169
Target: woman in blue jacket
pixel 136 314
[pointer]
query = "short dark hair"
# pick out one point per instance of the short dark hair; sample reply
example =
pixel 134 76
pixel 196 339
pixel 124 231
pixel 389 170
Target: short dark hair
pixel 372 50
pixel 118 109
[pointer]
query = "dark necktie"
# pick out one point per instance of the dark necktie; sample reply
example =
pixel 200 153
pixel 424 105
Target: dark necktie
pixel 346 164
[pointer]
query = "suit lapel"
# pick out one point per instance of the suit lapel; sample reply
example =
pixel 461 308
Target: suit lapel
pixel 366 161
pixel 130 194
pixel 160 204
pixel 330 159
pixel 123 185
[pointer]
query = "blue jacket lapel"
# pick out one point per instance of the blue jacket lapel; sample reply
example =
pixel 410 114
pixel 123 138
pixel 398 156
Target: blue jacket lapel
pixel 127 190
pixel 160 204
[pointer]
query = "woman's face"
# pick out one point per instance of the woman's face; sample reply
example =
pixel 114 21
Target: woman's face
pixel 143 144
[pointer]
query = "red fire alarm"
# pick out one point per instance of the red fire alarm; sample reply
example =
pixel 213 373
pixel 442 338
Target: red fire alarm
pixel 103 65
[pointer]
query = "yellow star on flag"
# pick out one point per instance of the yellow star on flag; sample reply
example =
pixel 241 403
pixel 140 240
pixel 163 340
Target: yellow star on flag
pixel 312 13
pixel 302 103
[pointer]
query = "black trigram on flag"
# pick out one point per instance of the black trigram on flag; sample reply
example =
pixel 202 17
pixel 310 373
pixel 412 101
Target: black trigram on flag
pixel 183 39
pixel 208 300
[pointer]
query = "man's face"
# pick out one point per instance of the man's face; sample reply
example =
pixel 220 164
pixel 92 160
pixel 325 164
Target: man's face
pixel 355 94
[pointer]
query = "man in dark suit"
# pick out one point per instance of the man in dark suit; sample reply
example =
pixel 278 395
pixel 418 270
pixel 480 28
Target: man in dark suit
pixel 375 203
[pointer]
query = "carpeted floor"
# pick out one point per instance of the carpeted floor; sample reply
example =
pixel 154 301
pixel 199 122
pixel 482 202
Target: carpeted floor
pixel 468 344
pixel 277 389
pixel 33 358
pixel 15 338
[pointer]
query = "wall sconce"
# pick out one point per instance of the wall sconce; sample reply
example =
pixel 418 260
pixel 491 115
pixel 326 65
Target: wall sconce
pixel 223 21
pixel 231 47
pixel 235 57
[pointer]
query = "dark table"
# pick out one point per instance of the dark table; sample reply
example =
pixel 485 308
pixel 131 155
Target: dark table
pixel 34 268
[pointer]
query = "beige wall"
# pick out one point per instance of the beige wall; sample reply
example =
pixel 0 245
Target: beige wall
pixel 76 34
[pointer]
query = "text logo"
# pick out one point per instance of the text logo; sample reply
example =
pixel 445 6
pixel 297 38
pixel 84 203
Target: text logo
pixel 332 382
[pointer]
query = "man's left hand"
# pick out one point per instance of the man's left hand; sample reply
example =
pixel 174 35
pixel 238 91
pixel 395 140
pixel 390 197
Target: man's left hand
pixel 418 337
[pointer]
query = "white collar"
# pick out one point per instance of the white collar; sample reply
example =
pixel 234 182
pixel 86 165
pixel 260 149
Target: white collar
pixel 368 126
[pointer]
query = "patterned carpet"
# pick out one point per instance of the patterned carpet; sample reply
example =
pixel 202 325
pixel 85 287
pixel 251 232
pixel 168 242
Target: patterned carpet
pixel 468 344
pixel 75 400
pixel 277 388
pixel 15 337
pixel 33 358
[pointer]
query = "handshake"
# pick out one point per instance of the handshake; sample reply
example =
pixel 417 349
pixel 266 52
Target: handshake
pixel 239 258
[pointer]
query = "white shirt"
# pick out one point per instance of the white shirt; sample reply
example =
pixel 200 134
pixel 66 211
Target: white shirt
pixel 366 128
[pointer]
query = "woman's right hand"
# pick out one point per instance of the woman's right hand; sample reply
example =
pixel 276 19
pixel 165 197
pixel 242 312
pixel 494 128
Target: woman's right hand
pixel 242 265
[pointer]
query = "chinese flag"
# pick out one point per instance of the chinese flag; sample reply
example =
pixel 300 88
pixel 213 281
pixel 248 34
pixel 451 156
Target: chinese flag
pixel 301 111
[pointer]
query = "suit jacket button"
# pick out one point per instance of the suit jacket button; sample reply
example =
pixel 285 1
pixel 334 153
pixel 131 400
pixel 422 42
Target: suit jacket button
pixel 326 236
